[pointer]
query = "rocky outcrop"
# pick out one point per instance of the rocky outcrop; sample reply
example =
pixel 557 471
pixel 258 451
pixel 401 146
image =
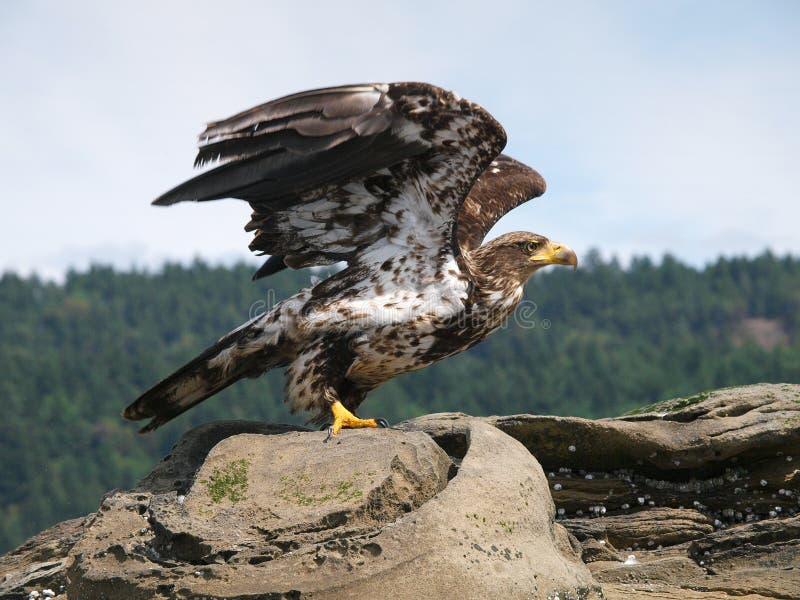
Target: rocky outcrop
pixel 692 498
pixel 280 514
pixel 704 492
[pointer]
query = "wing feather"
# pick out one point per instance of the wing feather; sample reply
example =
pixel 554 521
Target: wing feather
pixel 331 172
pixel 504 185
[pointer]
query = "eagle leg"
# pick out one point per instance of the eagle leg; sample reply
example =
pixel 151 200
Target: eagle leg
pixel 344 419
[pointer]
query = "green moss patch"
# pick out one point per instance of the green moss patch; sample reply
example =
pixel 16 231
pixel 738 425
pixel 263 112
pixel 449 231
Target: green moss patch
pixel 228 482
pixel 669 406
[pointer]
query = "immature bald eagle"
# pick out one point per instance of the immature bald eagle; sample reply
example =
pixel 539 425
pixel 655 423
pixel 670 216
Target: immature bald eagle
pixel 402 181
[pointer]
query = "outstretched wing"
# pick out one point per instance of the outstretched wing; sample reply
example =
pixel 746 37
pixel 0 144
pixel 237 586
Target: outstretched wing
pixel 504 185
pixel 331 172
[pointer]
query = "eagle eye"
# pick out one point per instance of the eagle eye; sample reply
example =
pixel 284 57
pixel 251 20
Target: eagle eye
pixel 532 247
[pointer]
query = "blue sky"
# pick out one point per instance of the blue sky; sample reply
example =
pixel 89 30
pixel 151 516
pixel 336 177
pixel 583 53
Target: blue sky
pixel 660 127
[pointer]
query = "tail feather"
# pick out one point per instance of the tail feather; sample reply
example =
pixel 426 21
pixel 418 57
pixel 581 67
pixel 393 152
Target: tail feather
pixel 233 357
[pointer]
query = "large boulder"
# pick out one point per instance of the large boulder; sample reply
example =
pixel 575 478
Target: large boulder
pixel 276 513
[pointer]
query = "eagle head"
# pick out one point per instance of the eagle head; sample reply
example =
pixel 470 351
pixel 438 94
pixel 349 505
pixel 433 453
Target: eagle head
pixel 519 254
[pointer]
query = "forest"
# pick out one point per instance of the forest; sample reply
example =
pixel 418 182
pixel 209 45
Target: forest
pixel 594 343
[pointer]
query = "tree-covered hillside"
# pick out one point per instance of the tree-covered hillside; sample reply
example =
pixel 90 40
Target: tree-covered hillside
pixel 593 343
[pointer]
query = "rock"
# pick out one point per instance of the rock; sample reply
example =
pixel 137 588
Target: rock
pixel 645 528
pixel 295 491
pixel 694 436
pixel 176 470
pixel 678 481
pixel 700 490
pixel 374 513
pixel 593 550
pixel 757 557
pixel 710 452
pixel 41 561
pixel 698 487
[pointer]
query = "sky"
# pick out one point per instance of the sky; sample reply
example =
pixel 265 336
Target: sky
pixel 669 127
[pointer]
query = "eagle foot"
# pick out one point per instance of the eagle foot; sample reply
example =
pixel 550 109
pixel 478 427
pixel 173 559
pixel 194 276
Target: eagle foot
pixel 344 419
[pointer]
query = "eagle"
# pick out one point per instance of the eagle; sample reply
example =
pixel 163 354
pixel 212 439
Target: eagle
pixel 400 181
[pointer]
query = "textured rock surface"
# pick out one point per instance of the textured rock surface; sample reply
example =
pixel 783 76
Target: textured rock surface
pixel 177 469
pixel 299 493
pixel 647 528
pixel 372 513
pixel 702 491
pixel 41 562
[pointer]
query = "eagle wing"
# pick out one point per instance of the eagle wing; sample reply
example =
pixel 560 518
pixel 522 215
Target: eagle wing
pixel 504 185
pixel 332 173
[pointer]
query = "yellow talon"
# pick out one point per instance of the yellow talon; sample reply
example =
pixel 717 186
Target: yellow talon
pixel 343 418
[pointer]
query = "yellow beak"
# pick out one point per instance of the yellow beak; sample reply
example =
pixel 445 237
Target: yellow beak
pixel 557 254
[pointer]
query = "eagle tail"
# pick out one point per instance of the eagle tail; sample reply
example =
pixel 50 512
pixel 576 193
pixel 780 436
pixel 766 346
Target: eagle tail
pixel 238 354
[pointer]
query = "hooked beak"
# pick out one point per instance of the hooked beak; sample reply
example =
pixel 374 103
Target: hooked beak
pixel 557 254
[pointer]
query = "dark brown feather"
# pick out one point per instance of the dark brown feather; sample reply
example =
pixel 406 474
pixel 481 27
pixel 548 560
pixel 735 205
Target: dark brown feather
pixel 272 265
pixel 305 133
pixel 200 378
pixel 285 155
pixel 503 186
